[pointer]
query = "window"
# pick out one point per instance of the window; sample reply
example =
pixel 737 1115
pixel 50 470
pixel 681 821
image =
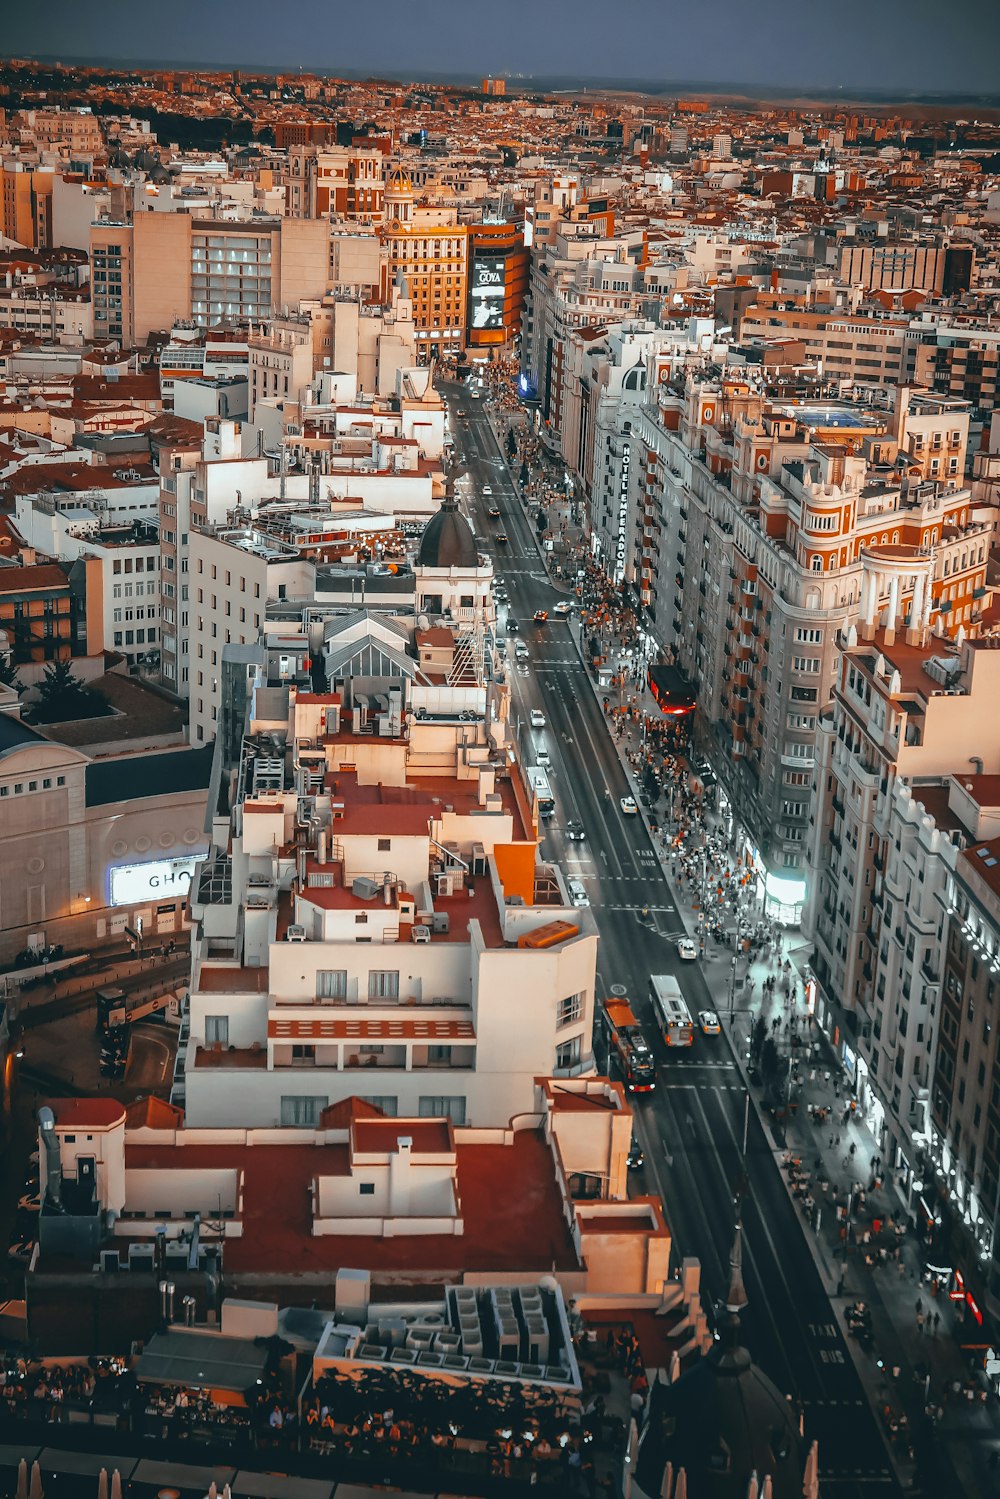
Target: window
pixel 383 983
pixel 366 1189
pixel 384 845
pixel 331 983
pixel 568 1010
pixel 216 1030
pixel 436 1106
pixel 387 1102
pixel 303 1111
pixel 568 1054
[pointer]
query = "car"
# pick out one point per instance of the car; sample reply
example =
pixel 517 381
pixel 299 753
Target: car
pixel 628 806
pixel 687 950
pixel 494 512
pixel 543 758
pixel 709 1022
pixel 21 1251
pixel 475 396
pixel 537 718
pixel 487 489
pixel 540 616
pixel 577 894
pixel 502 596
pixel 502 538
pixel 521 650
pixel 512 626
pixel 575 832
pixel 561 609
pixel 31 1202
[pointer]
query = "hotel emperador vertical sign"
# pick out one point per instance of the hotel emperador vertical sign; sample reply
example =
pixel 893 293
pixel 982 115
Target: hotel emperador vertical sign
pixel 621 545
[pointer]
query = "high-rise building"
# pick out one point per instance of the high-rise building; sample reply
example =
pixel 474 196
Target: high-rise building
pixel 429 250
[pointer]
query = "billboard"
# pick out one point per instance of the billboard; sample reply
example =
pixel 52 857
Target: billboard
pixel 156 879
pixel 487 286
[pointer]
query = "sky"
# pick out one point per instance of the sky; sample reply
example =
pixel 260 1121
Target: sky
pixel 912 47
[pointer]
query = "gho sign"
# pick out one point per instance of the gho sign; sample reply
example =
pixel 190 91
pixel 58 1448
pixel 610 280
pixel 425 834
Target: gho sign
pixel 157 879
pixel 621 544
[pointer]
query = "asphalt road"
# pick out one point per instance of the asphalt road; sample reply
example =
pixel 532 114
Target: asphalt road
pixel 692 1127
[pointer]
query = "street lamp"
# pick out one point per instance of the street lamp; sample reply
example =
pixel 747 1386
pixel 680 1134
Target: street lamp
pixel 732 986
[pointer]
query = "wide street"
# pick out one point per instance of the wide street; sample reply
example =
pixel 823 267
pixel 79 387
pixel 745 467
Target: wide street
pixel 692 1127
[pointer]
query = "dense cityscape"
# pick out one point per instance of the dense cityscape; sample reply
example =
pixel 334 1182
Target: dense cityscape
pixel 551 537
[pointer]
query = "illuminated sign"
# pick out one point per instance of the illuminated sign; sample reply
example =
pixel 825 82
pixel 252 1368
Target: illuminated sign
pixel 487 285
pixel 621 547
pixel 157 879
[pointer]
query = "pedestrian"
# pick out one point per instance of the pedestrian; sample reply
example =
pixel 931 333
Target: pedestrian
pixel 920 1322
pixel 936 1321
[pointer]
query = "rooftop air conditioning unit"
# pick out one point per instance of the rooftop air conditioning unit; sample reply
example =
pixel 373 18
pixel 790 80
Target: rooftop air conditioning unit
pixel 295 934
pixel 364 888
pixel 420 934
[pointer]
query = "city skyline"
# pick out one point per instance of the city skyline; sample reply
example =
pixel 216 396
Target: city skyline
pixel 500 758
pixel 784 49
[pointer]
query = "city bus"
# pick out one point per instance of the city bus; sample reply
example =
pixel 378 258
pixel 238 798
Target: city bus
pixel 628 1046
pixel 672 1013
pixel 539 783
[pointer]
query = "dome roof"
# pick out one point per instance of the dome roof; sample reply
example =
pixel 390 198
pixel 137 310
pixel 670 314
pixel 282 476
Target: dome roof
pixel 448 540
pixel 723 1421
pixel 397 181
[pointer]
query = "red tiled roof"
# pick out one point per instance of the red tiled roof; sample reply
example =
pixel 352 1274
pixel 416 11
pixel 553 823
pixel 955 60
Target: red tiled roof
pixel 40 575
pixel 339 1115
pixel 153 1113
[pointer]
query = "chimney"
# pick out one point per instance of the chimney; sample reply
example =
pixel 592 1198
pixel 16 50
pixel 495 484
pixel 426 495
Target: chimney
pixel 399 1177
pixel 53 1160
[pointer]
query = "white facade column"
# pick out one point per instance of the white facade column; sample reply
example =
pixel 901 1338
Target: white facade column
pixel 917 603
pixel 869 601
pixel 893 600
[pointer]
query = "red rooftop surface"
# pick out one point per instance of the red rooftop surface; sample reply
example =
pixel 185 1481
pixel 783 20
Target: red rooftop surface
pixel 87 1113
pixel 510 1206
pixel 382 1136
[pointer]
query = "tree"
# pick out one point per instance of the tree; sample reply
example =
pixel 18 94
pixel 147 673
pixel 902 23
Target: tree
pixel 64 696
pixel 8 674
pixel 511 443
pixel 770 1060
pixel 525 475
pixel 757 1036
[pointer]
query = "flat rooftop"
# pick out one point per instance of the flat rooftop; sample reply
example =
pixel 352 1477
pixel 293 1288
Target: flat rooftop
pixel 510 1206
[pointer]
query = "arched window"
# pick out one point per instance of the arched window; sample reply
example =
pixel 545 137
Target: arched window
pixel 817 564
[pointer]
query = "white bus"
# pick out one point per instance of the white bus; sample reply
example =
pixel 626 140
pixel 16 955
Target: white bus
pixel 539 783
pixel 672 1014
